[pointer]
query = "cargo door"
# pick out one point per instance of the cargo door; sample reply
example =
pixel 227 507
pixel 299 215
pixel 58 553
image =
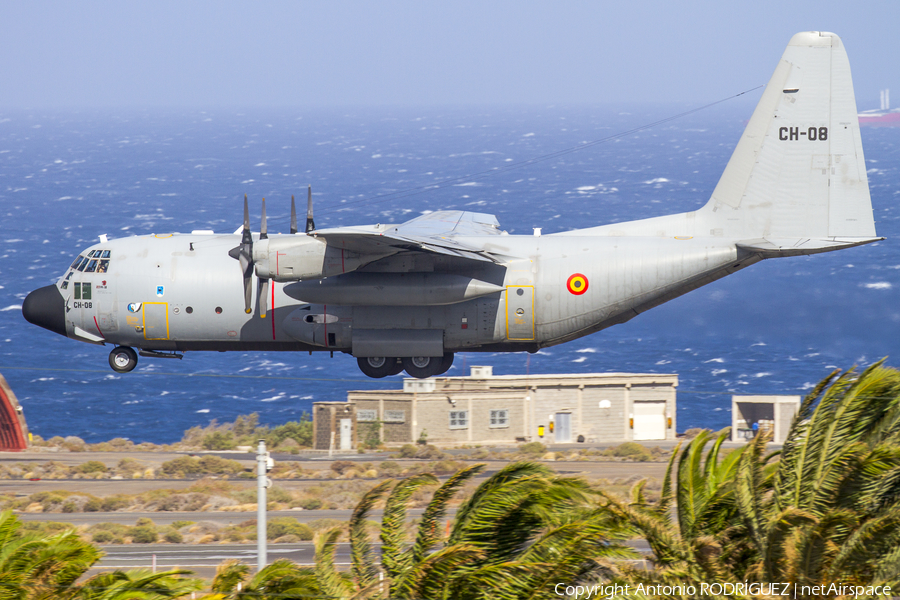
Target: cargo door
pixel 156 320
pixel 520 312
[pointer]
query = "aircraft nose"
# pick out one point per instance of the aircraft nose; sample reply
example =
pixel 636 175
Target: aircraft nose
pixel 45 307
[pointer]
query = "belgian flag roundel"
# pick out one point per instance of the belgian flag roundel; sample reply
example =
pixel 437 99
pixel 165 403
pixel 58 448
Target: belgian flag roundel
pixel 577 284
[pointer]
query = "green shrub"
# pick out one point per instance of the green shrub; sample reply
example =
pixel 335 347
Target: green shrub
pixel 93 505
pixel 311 504
pixel 629 449
pixel 535 448
pixel 216 465
pixel 408 451
pixel 173 536
pixel 114 503
pixel 91 466
pixel 143 534
pixel 342 466
pixel 103 537
pixel 219 440
pixel 281 526
pixel 70 507
pixel 181 466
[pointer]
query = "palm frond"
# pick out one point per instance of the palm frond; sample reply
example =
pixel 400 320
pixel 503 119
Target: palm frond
pixel 393 523
pixel 361 555
pixel 429 527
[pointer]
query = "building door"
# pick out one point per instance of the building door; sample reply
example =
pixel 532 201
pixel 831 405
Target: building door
pixel 563 428
pixel 649 420
pixel 346 434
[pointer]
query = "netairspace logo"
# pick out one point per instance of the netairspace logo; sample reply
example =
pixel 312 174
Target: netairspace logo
pixel 789 590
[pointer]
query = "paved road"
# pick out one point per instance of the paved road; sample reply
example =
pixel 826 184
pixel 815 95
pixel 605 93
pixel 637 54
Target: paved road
pixel 203 559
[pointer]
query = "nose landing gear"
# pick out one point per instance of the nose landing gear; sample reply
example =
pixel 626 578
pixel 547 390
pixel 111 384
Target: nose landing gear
pixel 122 359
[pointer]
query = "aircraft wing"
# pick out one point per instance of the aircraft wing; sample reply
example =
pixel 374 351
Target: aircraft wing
pixel 435 232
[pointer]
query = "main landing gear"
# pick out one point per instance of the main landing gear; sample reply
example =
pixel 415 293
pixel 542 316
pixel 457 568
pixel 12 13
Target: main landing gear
pixel 122 359
pixel 415 366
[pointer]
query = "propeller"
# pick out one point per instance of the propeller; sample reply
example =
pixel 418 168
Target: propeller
pixel 244 254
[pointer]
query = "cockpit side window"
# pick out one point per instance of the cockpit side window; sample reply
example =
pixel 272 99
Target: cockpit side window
pixel 77 262
pixel 103 267
pixel 82 264
pixel 92 266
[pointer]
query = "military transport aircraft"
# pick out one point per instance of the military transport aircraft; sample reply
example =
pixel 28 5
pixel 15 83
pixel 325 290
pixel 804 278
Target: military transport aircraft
pixel 407 296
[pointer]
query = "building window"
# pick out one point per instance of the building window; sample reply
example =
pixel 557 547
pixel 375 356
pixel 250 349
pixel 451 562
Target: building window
pixel 459 419
pixel 364 415
pixel 500 418
pixel 395 416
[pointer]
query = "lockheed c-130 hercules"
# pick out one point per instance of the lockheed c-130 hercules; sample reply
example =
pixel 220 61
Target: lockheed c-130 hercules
pixel 408 296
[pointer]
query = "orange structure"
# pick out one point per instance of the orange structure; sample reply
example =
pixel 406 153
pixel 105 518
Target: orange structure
pixel 13 431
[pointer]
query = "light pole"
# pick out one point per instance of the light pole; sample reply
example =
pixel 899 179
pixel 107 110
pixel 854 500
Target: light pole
pixel 263 464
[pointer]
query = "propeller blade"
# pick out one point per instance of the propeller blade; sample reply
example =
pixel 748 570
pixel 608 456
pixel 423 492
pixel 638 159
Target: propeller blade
pixel 293 216
pixel 246 238
pixel 310 224
pixel 247 266
pixel 263 297
pixel 263 230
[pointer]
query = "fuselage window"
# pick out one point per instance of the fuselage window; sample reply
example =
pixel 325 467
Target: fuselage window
pixel 103 267
pixel 65 284
pixel 69 276
pixel 85 291
pixel 77 294
pixel 92 266
pixel 105 254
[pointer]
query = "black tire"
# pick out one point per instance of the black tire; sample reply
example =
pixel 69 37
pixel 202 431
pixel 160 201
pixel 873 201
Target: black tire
pixel 122 359
pixel 446 363
pixel 376 366
pixel 422 367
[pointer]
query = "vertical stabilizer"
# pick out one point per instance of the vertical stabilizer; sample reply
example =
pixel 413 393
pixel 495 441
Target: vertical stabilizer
pixel 798 170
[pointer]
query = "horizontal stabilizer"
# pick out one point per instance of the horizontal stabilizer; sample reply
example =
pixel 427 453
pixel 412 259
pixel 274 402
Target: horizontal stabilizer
pixel 773 247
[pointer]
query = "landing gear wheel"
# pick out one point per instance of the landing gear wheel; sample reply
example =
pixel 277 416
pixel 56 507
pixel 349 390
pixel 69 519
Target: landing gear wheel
pixel 422 366
pixel 122 359
pixel 376 366
pixel 446 363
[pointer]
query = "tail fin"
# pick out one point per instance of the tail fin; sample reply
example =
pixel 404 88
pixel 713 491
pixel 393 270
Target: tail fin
pixel 798 174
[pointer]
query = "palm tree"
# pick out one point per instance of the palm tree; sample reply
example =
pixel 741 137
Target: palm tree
pixel 43 567
pixel 33 566
pixel 136 584
pixel 694 529
pixel 833 513
pixel 523 528
pixel 824 509
pixel 282 580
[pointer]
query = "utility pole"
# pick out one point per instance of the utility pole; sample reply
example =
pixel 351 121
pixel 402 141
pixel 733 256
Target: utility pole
pixel 263 464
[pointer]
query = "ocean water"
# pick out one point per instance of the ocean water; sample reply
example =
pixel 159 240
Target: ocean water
pixel 67 177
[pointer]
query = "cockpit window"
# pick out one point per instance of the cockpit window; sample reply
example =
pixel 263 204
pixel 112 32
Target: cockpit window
pixel 92 266
pixel 103 267
pixel 82 264
pixel 105 254
pixel 76 263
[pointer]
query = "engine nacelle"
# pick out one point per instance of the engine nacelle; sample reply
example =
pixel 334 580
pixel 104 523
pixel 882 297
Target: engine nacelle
pixel 301 257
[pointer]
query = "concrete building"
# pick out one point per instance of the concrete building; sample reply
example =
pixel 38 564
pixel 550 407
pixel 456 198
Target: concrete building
pixel 773 414
pixel 482 408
